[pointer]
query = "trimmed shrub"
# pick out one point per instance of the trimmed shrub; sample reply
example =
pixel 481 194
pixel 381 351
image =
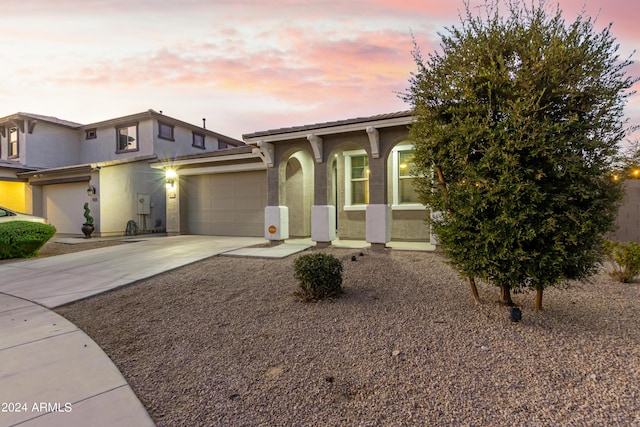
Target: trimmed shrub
pixel 320 276
pixel 23 239
pixel 624 259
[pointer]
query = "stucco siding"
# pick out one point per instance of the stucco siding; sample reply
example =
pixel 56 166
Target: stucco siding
pixel 409 226
pixel 119 197
pixel 49 146
pixel 182 145
pixel 628 220
pixel 12 196
pixel 104 146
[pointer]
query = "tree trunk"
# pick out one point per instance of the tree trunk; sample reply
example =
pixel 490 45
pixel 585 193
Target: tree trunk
pixel 505 295
pixel 539 298
pixel 474 289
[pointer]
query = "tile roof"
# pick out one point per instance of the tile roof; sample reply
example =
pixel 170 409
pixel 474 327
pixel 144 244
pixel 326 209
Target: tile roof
pixel 51 119
pixel 356 120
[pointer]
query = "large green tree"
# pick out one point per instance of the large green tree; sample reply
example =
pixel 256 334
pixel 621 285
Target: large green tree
pixel 518 119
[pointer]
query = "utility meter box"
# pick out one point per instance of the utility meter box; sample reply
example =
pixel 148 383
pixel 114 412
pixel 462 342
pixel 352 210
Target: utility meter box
pixel 144 204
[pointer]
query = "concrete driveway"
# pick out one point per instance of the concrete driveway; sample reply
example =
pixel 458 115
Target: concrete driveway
pixel 58 280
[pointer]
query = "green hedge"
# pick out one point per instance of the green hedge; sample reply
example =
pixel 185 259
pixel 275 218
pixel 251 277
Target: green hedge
pixel 23 239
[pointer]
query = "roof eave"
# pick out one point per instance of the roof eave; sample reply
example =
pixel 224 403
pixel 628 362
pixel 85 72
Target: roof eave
pixel 329 128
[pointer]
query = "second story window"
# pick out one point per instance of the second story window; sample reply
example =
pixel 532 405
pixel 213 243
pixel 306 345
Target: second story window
pixel 13 142
pixel 198 140
pixel 127 138
pixel 165 131
pixel 90 134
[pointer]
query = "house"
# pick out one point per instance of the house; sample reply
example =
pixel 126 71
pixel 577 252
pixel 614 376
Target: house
pixel 349 179
pixel 51 167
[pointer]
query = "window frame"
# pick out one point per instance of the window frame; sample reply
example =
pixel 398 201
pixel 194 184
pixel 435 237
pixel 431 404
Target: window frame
pixel 395 160
pixel 171 129
pixel 127 126
pixel 193 140
pixel 11 144
pixel 91 133
pixel 348 196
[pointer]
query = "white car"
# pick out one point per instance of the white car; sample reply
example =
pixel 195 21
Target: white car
pixel 7 215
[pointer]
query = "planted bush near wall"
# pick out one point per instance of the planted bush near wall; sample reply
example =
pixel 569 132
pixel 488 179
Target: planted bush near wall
pixel 23 239
pixel 319 276
pixel 624 259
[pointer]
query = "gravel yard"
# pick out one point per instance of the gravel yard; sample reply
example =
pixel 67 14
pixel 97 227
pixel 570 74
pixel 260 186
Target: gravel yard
pixel 223 342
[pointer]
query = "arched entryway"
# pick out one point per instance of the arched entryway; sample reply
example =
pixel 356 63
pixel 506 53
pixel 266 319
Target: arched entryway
pixel 296 192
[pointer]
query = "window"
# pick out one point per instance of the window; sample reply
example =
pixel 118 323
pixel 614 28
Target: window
pixel 127 138
pixel 198 140
pixel 222 145
pixel 404 170
pixel 165 131
pixel 357 179
pixel 406 178
pixel 90 134
pixel 13 142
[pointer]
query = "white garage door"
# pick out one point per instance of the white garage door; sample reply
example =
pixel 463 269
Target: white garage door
pixel 230 204
pixel 63 206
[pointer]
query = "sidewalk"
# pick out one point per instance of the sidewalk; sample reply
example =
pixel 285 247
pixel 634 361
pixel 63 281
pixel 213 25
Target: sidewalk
pixel 52 373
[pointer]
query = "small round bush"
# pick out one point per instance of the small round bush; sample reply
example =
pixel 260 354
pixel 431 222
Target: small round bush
pixel 624 259
pixel 320 276
pixel 23 239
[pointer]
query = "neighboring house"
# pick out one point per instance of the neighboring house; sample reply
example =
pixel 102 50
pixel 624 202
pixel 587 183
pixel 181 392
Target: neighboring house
pixel 51 167
pixel 349 179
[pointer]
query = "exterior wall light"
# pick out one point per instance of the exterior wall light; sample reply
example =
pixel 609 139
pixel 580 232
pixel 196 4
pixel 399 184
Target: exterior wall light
pixel 170 179
pixel 91 190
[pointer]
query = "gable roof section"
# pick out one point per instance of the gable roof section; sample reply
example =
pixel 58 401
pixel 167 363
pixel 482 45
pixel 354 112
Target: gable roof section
pixel 347 125
pixel 40 117
pixel 228 160
pixel 152 114
pixel 121 120
pixel 15 166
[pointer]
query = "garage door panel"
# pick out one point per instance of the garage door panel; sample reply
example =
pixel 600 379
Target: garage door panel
pixel 63 206
pixel 227 204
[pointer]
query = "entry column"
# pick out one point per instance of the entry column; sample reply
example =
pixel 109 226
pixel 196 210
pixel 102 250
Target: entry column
pixel 378 213
pixel 323 215
pixel 276 216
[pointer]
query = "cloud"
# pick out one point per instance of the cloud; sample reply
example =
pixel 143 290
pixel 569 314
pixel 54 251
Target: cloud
pixel 314 66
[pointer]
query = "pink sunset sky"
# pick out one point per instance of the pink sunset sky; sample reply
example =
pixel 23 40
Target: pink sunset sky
pixel 244 65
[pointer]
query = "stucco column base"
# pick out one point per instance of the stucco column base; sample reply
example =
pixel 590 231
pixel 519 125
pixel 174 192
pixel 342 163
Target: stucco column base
pixel 276 223
pixel 379 247
pixel 378 224
pixel 323 224
pixel 322 245
pixel 276 242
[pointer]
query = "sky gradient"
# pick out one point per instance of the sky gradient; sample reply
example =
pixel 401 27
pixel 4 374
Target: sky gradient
pixel 244 65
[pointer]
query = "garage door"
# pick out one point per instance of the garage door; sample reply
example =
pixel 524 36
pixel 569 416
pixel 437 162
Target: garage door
pixel 230 204
pixel 63 206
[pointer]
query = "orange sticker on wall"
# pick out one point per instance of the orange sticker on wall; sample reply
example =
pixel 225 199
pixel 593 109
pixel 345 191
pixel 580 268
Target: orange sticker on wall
pixel 272 229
